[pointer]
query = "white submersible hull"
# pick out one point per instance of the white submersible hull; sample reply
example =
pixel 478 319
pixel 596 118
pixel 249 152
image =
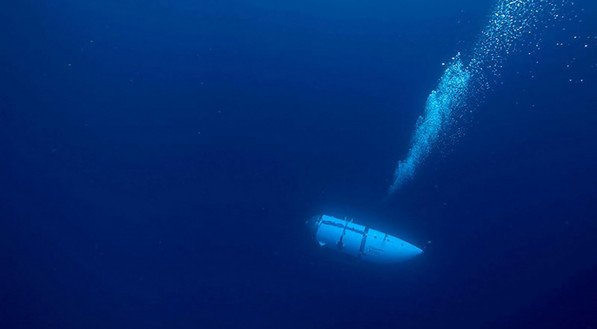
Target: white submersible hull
pixel 361 241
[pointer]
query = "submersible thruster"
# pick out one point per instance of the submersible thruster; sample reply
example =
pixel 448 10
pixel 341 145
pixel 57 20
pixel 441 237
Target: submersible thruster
pixel 361 241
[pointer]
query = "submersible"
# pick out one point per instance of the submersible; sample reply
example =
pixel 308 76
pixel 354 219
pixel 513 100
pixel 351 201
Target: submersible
pixel 360 241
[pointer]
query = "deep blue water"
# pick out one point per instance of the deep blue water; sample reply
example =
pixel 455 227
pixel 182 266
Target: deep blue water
pixel 160 159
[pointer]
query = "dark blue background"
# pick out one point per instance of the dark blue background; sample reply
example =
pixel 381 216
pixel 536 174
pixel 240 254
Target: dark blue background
pixel 159 159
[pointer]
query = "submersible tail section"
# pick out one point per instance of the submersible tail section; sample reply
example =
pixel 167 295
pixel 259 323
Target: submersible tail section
pixel 361 241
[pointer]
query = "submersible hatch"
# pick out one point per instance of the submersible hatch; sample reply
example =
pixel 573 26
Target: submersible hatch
pixel 361 241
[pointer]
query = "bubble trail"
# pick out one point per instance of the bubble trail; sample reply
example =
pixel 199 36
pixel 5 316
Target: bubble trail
pixel 511 27
pixel 441 102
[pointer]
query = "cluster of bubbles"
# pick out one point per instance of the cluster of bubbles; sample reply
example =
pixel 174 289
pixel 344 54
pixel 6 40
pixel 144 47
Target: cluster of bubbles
pixel 512 26
pixel 448 96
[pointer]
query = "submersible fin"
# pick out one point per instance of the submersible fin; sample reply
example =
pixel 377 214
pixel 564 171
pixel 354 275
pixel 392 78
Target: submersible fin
pixel 361 241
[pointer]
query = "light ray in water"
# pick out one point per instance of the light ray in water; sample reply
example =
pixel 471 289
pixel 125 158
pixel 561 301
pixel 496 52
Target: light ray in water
pixel 513 25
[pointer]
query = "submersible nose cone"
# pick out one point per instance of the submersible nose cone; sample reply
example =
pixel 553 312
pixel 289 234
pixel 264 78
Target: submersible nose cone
pixel 411 251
